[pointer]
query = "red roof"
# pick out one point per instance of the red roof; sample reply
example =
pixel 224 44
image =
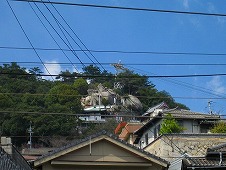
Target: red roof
pixel 121 125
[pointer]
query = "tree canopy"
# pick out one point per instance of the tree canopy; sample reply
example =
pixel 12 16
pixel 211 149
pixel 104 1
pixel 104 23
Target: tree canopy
pixel 170 125
pixel 26 97
pixel 219 127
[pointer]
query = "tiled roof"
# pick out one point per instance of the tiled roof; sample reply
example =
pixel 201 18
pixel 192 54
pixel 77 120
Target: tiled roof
pixel 179 114
pixel 8 163
pixel 162 105
pixel 218 148
pixel 187 114
pixel 128 129
pixel 121 125
pixel 203 162
pixel 114 137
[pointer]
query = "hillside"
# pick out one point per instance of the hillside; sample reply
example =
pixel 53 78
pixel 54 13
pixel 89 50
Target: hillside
pixel 26 97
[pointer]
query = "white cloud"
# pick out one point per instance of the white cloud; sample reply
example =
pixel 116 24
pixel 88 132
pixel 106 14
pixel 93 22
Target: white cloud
pixel 53 68
pixel 75 69
pixel 185 4
pixel 216 85
pixel 212 9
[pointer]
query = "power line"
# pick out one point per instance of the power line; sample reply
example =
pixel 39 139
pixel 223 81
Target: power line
pixel 61 27
pixel 191 86
pixel 118 51
pixel 126 8
pixel 27 37
pixel 126 114
pixel 127 64
pixel 77 36
pixel 53 37
pixel 147 97
pixel 121 76
pixel 73 52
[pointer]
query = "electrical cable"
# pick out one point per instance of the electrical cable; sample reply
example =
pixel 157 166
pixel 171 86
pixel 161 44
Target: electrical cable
pixel 73 52
pixel 28 38
pixel 120 52
pixel 53 38
pixel 126 64
pixel 76 35
pixel 127 8
pixel 126 114
pixel 135 77
pixel 191 86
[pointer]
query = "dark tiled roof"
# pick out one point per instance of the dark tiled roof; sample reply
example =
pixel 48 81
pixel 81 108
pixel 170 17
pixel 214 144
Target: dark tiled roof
pixel 162 105
pixel 114 137
pixel 187 114
pixel 218 148
pixel 203 162
pixel 179 114
pixel 8 163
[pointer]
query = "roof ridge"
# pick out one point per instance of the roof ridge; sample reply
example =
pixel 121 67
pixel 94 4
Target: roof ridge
pixel 110 135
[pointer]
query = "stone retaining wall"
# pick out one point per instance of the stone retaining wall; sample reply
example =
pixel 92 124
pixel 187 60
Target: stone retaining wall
pixel 171 146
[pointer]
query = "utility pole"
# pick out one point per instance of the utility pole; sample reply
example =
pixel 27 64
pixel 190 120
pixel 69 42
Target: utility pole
pixel 209 106
pixel 30 136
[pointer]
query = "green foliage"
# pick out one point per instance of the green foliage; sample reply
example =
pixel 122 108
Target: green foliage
pixel 96 76
pixel 81 86
pixel 170 125
pixel 220 127
pixel 22 91
pixel 67 76
pixel 63 98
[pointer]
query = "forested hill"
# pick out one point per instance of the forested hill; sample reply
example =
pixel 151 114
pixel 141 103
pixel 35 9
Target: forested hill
pixel 25 94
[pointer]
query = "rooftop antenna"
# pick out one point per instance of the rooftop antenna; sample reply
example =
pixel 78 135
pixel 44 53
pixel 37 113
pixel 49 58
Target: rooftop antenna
pixel 209 106
pixel 119 68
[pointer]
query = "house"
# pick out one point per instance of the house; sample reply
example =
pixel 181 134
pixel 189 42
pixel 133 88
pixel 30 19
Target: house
pixel 193 122
pixel 215 158
pixel 100 151
pixel 94 114
pixel 10 158
pixel 161 106
pixel 125 130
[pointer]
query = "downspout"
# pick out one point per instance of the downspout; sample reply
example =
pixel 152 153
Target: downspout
pixel 90 147
pixel 220 158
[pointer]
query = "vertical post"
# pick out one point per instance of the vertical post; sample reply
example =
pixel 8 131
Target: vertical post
pixel 90 147
pixel 30 136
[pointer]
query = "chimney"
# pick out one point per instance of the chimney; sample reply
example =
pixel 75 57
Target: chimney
pixel 6 144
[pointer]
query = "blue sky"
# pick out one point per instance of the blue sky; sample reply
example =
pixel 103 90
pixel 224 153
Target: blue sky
pixel 124 30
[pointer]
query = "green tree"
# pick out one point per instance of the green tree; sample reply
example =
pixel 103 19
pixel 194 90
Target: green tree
pixel 63 98
pixel 81 86
pixel 170 125
pixel 67 76
pixel 219 127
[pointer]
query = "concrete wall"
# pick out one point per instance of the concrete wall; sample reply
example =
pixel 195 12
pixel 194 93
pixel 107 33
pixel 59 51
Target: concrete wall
pixel 170 147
